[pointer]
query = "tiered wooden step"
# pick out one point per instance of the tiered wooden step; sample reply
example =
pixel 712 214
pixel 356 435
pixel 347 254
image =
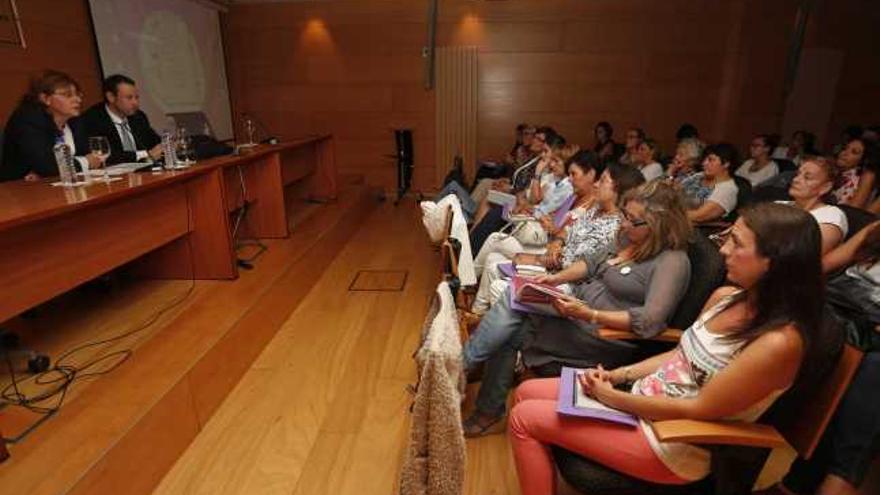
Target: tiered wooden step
pixel 125 430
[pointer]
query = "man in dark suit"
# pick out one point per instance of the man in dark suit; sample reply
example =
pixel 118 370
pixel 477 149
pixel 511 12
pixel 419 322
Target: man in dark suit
pixel 120 119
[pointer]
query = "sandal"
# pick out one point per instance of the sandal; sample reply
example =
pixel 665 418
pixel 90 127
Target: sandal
pixel 475 426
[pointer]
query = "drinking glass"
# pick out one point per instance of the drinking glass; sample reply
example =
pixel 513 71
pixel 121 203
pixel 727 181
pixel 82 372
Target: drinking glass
pixel 184 147
pixel 100 146
pixel 250 130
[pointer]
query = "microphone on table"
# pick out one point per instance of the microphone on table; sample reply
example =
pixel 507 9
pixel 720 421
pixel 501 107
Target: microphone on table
pixel 270 138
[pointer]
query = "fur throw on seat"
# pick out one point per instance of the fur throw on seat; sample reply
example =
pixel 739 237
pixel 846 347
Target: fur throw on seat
pixel 435 459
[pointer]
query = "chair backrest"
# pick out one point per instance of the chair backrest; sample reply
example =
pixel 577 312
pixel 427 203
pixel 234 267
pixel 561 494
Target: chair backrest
pixel 856 218
pixel 785 165
pixel 803 425
pixel 743 197
pixel 448 251
pixel 775 188
pixel 707 274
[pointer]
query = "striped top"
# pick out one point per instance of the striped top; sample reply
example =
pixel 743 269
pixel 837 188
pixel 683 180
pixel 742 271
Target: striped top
pixel 699 356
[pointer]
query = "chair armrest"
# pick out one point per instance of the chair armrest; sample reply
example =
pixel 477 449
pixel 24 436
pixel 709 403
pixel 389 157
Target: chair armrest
pixel 669 335
pixel 718 433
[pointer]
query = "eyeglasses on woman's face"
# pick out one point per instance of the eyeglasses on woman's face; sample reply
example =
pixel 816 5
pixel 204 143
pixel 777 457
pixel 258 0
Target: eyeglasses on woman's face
pixel 632 219
pixel 68 93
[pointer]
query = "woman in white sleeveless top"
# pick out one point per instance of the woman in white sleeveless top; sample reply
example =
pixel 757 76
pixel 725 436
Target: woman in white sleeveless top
pixel 745 349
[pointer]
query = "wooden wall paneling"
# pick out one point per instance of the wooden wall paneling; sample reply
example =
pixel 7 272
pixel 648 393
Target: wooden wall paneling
pixel 620 36
pixel 411 98
pixel 597 61
pixel 527 67
pixel 58 36
pixel 510 97
pixel 601 98
pixel 850 27
pixel 456 99
pixel 494 37
pixel 732 76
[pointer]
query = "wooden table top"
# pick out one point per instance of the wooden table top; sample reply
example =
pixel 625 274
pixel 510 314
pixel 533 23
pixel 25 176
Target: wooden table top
pixel 24 202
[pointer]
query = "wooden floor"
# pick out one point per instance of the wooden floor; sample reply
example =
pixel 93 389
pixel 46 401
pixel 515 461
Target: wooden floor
pixel 324 409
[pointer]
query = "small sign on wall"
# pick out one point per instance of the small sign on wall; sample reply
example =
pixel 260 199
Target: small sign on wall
pixel 10 24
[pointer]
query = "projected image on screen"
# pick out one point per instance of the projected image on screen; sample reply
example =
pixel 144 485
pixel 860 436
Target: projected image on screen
pixel 173 49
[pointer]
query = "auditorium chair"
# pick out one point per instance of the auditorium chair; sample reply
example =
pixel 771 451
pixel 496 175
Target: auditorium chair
pixel 450 248
pixel 856 219
pixel 739 450
pixel 785 165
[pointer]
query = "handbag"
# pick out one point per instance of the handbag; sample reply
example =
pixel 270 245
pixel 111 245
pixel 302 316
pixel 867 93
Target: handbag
pixel 527 230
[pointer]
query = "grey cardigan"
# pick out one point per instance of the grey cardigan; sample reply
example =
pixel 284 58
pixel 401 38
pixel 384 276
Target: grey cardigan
pixel 649 291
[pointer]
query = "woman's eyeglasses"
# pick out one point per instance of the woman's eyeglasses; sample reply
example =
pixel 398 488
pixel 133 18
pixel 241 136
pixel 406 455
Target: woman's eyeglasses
pixel 719 238
pixel 69 94
pixel 635 222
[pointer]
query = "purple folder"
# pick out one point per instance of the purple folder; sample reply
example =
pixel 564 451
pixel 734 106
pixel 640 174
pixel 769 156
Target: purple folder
pixel 507 269
pixel 564 208
pixel 566 406
pixel 538 309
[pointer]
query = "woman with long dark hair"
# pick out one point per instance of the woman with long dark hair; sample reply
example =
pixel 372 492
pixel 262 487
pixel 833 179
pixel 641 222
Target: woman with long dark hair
pixel 857 163
pixel 750 344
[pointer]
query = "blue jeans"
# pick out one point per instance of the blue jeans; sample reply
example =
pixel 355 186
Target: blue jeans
pixel 496 341
pixel 468 205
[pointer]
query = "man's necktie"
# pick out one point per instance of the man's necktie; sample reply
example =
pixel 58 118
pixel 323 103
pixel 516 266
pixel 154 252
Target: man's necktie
pixel 127 138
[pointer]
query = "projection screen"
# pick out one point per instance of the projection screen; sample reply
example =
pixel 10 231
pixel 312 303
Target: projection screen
pixel 173 49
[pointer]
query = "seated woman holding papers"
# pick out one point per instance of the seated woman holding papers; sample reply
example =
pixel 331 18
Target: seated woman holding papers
pixel 501 247
pixel 590 234
pixel 744 351
pixel 637 289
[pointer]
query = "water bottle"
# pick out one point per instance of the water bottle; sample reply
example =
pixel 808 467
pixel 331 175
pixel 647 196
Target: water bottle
pixel 169 148
pixel 64 159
